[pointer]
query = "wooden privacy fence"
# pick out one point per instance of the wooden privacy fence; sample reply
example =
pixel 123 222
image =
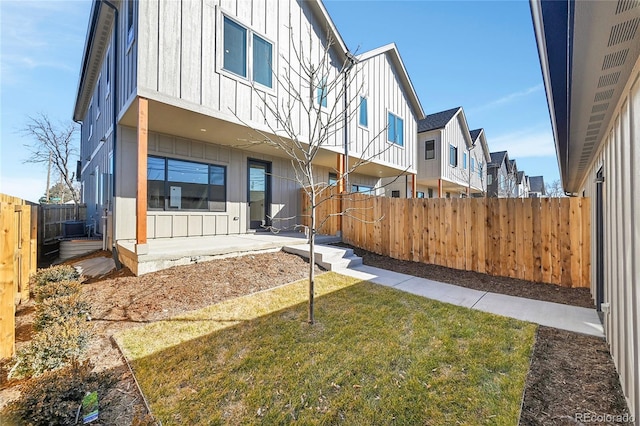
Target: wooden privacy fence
pixel 18 260
pixel 537 239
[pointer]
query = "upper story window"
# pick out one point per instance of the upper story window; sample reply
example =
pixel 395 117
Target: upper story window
pixel 130 12
pixel 395 129
pixel 321 92
pixel 107 74
pixel 430 150
pixel 473 165
pixel 364 115
pixel 99 96
pixel 464 160
pixel 479 169
pixel 236 53
pixel 489 179
pixel 89 118
pixel 453 155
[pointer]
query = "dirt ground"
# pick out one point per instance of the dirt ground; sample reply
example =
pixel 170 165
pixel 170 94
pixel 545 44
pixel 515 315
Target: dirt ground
pixel 570 373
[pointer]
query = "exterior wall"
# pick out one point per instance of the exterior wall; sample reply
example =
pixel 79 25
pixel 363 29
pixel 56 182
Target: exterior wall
pixel 96 138
pixel 479 175
pixel 376 79
pixel 431 169
pixel 181 62
pixel 500 185
pixel 619 157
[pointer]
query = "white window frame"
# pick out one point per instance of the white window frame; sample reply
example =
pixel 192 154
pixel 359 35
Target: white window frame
pixel 387 129
pixel 108 73
pixel 98 96
pixel 89 116
pixel 248 79
pixel 456 155
pixel 362 126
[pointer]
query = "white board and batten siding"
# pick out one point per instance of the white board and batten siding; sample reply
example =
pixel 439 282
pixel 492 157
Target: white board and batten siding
pixel 619 158
pixel 181 59
pixel 377 80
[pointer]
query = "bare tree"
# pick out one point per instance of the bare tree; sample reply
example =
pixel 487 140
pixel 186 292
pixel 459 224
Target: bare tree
pixel 55 144
pixel 323 90
pixel 555 189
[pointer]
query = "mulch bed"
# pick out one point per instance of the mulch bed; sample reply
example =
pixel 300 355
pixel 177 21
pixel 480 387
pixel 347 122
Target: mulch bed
pixel 570 373
pixel 477 281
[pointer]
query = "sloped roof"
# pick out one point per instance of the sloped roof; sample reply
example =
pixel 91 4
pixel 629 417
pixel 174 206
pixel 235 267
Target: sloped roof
pixel 536 184
pixel 497 158
pixel 520 177
pixel 437 120
pixel 394 54
pixel 474 134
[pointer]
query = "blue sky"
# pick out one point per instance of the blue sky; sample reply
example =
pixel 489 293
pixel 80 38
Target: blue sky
pixel 480 55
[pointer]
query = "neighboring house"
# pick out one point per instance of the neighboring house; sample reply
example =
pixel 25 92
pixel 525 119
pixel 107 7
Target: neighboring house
pixel 590 60
pixel 523 185
pixel 501 181
pixel 536 187
pixel 450 161
pixel 169 100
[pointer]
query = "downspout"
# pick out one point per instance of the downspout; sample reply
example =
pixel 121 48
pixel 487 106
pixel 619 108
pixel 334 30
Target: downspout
pixel 351 61
pixel 114 130
pixel 77 205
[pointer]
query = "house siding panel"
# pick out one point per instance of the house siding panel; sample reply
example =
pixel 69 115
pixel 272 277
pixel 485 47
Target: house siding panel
pixel 618 156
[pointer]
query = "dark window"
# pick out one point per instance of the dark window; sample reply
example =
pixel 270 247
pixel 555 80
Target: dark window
pixel 430 192
pixel 107 73
pixel 453 155
pixel 130 11
pixel 448 195
pixel 430 150
pixel 361 188
pixel 262 54
pixel 235 48
pixel 395 194
pixel 363 112
pixel 333 179
pixel 185 185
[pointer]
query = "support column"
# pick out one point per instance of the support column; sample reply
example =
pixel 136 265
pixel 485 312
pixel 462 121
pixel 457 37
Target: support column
pixel 340 167
pixel 141 192
pixel 414 186
pixel 439 188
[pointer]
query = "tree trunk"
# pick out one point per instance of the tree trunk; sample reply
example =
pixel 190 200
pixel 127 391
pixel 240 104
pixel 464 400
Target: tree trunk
pixel 312 263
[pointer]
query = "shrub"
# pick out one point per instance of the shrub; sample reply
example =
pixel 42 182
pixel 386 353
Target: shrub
pixel 54 274
pixel 51 348
pixel 56 289
pixel 55 310
pixel 54 397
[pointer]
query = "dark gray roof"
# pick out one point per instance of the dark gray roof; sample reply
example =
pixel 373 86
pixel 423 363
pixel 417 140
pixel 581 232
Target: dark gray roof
pixel 520 177
pixel 474 134
pixel 497 158
pixel 437 120
pixel 536 184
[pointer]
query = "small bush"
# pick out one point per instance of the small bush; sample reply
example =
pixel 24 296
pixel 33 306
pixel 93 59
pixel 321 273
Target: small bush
pixel 57 289
pixel 51 348
pixel 55 274
pixel 54 397
pixel 56 310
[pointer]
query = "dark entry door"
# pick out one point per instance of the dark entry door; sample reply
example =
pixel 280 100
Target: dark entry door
pixel 259 193
pixel 599 240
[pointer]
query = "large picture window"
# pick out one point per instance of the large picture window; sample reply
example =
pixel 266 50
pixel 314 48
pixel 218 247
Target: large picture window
pixel 237 52
pixel 185 185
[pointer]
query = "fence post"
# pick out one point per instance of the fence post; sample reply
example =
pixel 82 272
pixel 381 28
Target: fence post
pixel 7 282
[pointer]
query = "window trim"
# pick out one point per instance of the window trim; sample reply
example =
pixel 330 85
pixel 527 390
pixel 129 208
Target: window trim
pixel 107 68
pixel 395 193
pixel 365 100
pixel 453 159
pixel 98 95
pixel 426 149
pixel 397 117
pixel 250 32
pixel 321 97
pixel 464 160
pixel 165 186
pixel 131 24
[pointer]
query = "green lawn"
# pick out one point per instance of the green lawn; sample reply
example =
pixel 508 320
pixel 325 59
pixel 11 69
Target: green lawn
pixel 375 356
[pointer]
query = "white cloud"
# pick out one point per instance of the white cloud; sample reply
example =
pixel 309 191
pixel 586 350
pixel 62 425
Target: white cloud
pixel 507 99
pixel 532 142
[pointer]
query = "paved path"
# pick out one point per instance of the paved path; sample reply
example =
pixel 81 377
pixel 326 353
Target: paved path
pixel 565 317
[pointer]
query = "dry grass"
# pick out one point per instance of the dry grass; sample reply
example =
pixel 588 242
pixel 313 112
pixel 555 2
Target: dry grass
pixel 376 355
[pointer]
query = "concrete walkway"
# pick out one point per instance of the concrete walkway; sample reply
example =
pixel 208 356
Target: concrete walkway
pixel 565 317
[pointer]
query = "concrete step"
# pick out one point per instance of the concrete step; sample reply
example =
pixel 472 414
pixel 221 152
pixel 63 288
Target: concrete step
pixel 328 257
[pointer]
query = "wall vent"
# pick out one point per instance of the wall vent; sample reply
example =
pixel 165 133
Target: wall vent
pixel 593 132
pixel 603 96
pixel 609 79
pixel 615 59
pixel 594 126
pixel 598 117
pixel 624 5
pixel 623 32
pixel 591 139
pixel 599 108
